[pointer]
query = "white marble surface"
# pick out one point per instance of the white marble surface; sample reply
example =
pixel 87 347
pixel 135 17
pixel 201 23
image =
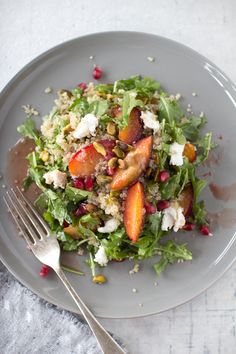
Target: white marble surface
pixel 207 324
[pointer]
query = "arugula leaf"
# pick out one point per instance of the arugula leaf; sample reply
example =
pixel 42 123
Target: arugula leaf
pixel 104 88
pixel 204 145
pixel 98 108
pixel 27 181
pixel 76 195
pixel 191 128
pixel 115 244
pixel 169 110
pixel 171 252
pixel 28 129
pixel 129 102
pixel 68 243
pixel 80 105
pixel 143 86
pixel 170 188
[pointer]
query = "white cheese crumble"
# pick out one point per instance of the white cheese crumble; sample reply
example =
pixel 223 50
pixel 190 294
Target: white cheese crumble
pixel 86 126
pixel 176 154
pixel 150 121
pixel 56 177
pixel 110 226
pixel 101 257
pixel 173 217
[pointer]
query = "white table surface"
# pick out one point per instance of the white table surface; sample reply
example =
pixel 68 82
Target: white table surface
pixel 207 324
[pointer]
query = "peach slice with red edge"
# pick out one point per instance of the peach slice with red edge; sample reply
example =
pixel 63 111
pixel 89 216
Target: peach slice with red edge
pixel 190 152
pixel 84 161
pixel 186 199
pixel 134 212
pixel 135 162
pixel 134 129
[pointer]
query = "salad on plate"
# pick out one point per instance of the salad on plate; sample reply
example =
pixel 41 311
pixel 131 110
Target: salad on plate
pixel 116 164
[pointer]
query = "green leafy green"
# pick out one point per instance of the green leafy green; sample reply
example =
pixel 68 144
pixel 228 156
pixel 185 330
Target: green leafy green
pixel 28 129
pixel 171 252
pixel 169 110
pixel 98 108
pixel 191 127
pixel 76 195
pixel 129 102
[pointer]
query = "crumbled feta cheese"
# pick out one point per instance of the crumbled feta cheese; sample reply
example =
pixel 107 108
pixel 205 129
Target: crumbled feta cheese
pixel 48 90
pixel 101 257
pixel 150 121
pixel 135 269
pixel 86 126
pixel 110 226
pixel 176 153
pixel 173 217
pixel 151 59
pixel 56 177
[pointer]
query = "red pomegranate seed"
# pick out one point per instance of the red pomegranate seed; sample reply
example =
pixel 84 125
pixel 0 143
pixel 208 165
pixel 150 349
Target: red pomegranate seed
pixel 79 183
pixel 97 73
pixel 88 182
pixel 204 229
pixel 163 176
pixel 150 208
pixel 189 226
pixel 111 171
pixel 44 271
pixel 81 210
pixel 65 223
pixel 82 85
pixel 163 204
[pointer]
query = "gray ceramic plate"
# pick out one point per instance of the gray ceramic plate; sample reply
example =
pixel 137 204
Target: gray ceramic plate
pixel 179 69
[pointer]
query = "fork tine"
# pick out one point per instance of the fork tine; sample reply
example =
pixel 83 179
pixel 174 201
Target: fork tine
pixel 18 221
pixel 22 213
pixel 42 223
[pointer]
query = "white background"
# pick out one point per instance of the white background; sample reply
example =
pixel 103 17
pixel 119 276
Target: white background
pixel 207 324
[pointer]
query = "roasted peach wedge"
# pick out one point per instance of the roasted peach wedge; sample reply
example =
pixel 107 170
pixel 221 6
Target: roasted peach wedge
pixel 135 163
pixel 186 199
pixel 84 162
pixel 134 212
pixel 134 129
pixel 190 152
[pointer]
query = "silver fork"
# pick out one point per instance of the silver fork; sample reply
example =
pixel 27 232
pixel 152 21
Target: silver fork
pixel 46 248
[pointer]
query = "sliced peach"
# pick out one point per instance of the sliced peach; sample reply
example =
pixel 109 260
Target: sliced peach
pixel 134 212
pixel 134 130
pixel 84 162
pixel 72 231
pixel 186 199
pixel 135 164
pixel 190 152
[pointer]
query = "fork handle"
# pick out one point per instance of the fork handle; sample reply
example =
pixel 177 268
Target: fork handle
pixel 106 342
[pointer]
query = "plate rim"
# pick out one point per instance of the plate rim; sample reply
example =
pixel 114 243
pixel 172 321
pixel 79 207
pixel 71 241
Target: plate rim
pixel 6 91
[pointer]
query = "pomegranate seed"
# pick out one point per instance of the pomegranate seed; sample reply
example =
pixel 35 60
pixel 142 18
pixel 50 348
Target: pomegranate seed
pixel 44 271
pixel 111 171
pixel 97 73
pixel 79 183
pixel 163 204
pixel 65 223
pixel 88 183
pixel 189 226
pixel 150 208
pixel 81 210
pixel 82 85
pixel 204 229
pixel 163 176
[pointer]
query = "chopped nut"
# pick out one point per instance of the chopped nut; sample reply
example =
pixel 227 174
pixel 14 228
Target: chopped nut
pixel 44 155
pixel 67 129
pixel 111 128
pixel 121 163
pixel 119 153
pixel 99 279
pixel 113 162
pixel 99 148
pixel 102 179
pixel 123 146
